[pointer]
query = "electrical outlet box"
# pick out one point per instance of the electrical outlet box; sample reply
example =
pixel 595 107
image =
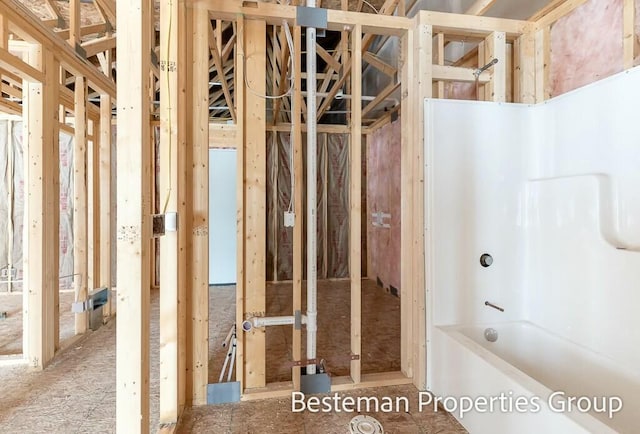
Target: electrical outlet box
pixel 158 225
pixel 289 219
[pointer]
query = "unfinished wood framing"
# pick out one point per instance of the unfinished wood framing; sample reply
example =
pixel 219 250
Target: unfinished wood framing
pixel 134 223
pixel 355 211
pixel 199 255
pixel 255 200
pixel 173 143
pixel 41 314
pixel 80 205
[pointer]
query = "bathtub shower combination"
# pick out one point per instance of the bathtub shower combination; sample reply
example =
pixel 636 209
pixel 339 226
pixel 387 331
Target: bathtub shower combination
pixel 533 260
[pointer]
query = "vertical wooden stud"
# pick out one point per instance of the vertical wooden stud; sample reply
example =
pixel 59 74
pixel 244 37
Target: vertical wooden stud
pixel 355 212
pixel 134 221
pixel 80 205
pixel 41 247
pixel 255 194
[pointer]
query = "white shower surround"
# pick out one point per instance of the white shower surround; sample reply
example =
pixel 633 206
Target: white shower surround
pixel 552 192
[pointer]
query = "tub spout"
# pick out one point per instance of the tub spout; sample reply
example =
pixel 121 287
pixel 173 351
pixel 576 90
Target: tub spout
pixel 486 303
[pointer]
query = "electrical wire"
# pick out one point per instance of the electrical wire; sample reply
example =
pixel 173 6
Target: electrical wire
pixel 169 108
pixel 370 5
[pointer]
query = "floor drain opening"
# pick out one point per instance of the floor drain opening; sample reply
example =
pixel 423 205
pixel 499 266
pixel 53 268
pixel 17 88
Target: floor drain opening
pixel 365 425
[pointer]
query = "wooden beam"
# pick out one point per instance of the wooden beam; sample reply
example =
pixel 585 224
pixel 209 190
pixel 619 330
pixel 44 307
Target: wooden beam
pixel 296 119
pixel 328 58
pixel 4 32
pixel 42 185
pixel 542 63
pixel 80 268
pixel 90 29
pixel 495 48
pixel 282 79
pixel 134 221
pixel 99 45
pixel 379 64
pixel 384 94
pixel 470 25
pixel 355 202
pixel 172 169
pixel 200 210
pixel 274 14
pixel 105 177
pixel 525 77
pixel 255 199
pixel 24 19
pixel 239 78
pixel 551 5
pixel 479 7
pixel 10 107
pixel 457 73
pixel 438 58
pixel 74 23
pixel 554 15
pixel 416 61
pixel 629 41
pixel 16 66
pixel 109 8
pixel 217 60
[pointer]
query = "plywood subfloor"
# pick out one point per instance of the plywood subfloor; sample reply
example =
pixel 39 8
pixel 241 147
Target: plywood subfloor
pixel 380 325
pixel 11 326
pixel 76 393
pixel 275 416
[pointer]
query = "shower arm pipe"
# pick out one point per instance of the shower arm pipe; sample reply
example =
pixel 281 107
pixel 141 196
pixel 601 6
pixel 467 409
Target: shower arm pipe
pixel 312 289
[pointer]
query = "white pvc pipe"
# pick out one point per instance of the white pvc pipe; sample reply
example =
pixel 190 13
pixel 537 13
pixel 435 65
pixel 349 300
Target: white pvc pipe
pixel 312 290
pixel 268 321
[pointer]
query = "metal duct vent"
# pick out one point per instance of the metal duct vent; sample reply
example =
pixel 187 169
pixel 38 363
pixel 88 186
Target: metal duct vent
pixel 365 425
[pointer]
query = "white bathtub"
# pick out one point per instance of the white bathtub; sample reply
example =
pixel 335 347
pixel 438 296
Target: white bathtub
pixel 528 361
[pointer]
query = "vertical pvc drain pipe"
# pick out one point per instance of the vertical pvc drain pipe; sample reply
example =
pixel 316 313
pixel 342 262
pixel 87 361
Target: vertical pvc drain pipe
pixel 312 254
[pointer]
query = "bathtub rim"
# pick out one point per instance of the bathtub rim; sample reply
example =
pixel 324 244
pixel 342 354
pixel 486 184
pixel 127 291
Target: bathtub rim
pixel 585 420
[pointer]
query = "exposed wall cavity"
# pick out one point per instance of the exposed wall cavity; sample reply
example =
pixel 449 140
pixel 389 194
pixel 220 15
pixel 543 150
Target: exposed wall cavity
pixel 586 45
pixel 333 206
pixel 12 211
pixel 383 199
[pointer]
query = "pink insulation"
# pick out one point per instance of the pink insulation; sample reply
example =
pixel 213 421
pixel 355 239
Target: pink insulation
pixel 383 196
pixel 586 45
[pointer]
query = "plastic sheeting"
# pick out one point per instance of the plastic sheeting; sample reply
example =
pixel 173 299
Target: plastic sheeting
pixel 12 179
pixel 333 206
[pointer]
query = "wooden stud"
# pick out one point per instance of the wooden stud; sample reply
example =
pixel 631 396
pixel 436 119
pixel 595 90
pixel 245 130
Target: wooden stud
pixel 355 208
pixel 134 221
pixel 255 186
pixel 495 48
pixel 93 208
pixel 105 157
pixel 4 32
pixel 21 18
pixel 239 87
pixel 296 138
pixel 525 78
pixel 80 205
pixel 629 41
pixel 41 212
pixel 200 210
pixel 438 57
pixel 74 23
pixel 173 85
pixel 542 61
